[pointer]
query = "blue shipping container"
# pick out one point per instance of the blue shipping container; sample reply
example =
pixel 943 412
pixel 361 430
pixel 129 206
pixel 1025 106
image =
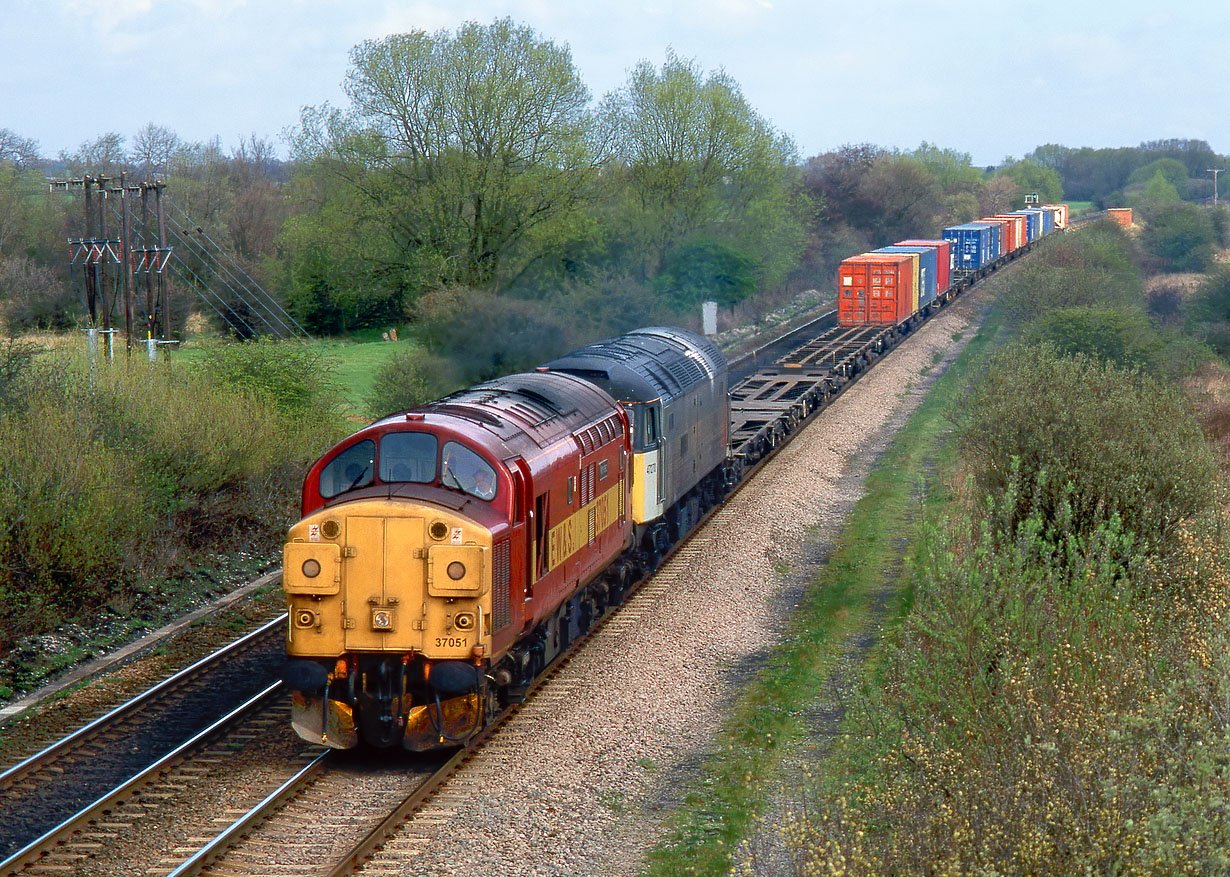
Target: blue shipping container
pixel 926 269
pixel 1039 217
pixel 997 232
pixel 971 246
pixel 1033 223
pixel 1040 214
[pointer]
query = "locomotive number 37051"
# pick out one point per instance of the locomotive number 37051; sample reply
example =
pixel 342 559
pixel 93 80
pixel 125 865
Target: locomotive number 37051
pixel 450 642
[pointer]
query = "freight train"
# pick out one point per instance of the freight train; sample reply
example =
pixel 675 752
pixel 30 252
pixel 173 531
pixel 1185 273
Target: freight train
pixel 448 553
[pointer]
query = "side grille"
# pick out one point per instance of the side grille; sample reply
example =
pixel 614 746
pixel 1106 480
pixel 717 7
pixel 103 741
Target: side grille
pixel 501 582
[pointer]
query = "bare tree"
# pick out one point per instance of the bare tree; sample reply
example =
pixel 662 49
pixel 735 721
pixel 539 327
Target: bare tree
pixel 105 155
pixel 19 151
pixel 154 150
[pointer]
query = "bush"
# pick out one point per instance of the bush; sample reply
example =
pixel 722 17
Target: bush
pixel 487 336
pixel 35 298
pixel 1054 705
pixel 292 376
pixel 1119 335
pixel 706 270
pixel 605 306
pixel 411 378
pixel 1089 441
pixel 1095 267
pixel 114 479
pixel 1180 238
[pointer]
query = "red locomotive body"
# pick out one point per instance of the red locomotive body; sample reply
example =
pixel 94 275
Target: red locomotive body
pixel 450 532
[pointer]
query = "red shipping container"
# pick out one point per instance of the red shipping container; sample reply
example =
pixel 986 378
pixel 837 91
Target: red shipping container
pixel 943 261
pixel 876 289
pixel 1017 230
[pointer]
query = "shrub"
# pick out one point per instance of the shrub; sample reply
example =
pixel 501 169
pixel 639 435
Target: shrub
pixel 1054 704
pixel 706 270
pixel 411 378
pixel 115 477
pixel 609 305
pixel 34 297
pixel 1122 336
pixel 1090 441
pixel 1180 238
pixel 487 335
pixel 1095 267
pixel 292 376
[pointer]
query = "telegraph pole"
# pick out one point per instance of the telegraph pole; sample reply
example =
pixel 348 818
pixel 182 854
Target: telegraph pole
pixel 139 250
pixel 1215 171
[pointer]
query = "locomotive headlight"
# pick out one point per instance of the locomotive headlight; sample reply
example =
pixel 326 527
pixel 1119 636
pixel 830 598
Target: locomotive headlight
pixel 456 570
pixel 305 618
pixel 311 568
pixel 464 621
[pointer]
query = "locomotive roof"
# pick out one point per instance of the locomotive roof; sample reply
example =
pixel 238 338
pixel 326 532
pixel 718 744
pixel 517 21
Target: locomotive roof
pixel 647 364
pixel 539 406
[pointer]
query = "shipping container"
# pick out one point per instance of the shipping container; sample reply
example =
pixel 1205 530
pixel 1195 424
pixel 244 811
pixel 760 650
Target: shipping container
pixel 876 289
pixel 1033 226
pixel 928 276
pixel 943 262
pixel 1005 233
pixel 1061 214
pixel 1018 235
pixel 995 236
pixel 971 246
pixel 1121 215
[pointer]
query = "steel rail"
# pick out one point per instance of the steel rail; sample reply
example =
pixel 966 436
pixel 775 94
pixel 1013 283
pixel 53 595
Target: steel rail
pixel 23 768
pixel 37 848
pixel 237 830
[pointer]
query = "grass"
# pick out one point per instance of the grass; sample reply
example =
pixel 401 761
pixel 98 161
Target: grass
pixel 358 364
pixel 769 724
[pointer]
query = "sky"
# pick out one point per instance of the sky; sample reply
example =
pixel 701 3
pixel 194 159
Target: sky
pixel 991 79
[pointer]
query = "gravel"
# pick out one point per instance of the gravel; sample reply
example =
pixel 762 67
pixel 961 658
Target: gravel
pixel 585 778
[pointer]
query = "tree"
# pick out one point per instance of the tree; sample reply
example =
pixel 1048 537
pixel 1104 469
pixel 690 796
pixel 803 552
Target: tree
pixel 998 195
pixel 154 149
pixel 21 152
pixel 700 162
pixel 1159 190
pixel 103 155
pixel 1171 169
pixel 907 198
pixel 456 153
pixel 1034 178
pixel 952 170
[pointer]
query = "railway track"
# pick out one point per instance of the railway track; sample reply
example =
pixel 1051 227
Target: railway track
pixel 46 794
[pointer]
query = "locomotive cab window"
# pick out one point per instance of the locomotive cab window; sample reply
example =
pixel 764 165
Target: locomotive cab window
pixel 644 428
pixel 409 456
pixel 353 467
pixel 464 470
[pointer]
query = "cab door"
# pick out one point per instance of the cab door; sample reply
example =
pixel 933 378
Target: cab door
pixel 648 463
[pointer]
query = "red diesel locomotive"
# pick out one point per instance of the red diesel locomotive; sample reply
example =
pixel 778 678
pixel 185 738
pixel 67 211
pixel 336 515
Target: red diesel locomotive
pixel 448 553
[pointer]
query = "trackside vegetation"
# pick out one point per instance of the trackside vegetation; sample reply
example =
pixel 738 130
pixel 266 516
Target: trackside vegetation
pixel 121 485
pixel 1050 695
